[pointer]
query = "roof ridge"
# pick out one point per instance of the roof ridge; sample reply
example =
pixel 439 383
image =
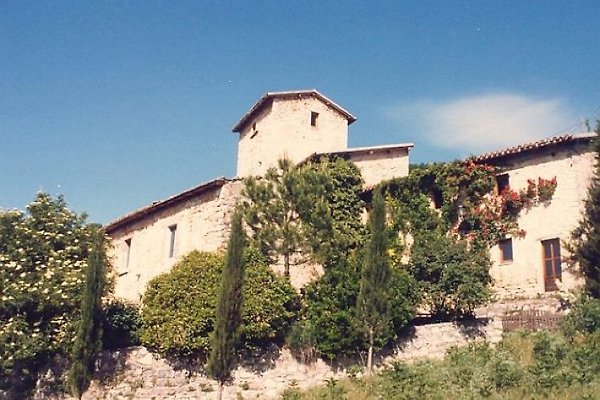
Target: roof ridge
pixel 156 204
pixel 261 101
pixel 540 143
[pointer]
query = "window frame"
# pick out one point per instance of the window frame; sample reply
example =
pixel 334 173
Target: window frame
pixel 502 182
pixel 554 261
pixel 503 253
pixel 127 256
pixel 172 234
pixel 314 117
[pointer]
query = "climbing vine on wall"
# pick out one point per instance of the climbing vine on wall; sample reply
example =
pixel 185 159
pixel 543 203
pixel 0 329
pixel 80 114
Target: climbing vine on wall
pixel 459 199
pixel 446 216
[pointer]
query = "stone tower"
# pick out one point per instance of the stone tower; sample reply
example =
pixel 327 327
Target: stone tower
pixel 291 124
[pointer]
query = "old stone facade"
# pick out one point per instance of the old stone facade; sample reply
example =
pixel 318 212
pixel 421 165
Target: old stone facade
pixel 303 125
pixel 149 241
pixel 535 264
pixel 296 125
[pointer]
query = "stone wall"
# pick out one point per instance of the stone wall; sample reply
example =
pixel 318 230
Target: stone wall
pixel 137 374
pixel 284 129
pixel 573 169
pixel 202 224
pixel 377 166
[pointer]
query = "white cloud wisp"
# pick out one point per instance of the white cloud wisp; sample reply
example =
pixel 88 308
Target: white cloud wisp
pixel 484 122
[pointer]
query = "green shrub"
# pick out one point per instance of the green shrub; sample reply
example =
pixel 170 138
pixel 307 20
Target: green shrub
pixel 121 325
pixel 583 318
pixel 330 307
pixel 302 341
pixel 454 279
pixel 410 382
pixel 178 309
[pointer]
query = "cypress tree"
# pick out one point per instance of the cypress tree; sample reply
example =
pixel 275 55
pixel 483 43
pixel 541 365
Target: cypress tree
pixel 89 335
pixel 586 237
pixel 373 301
pixel 228 317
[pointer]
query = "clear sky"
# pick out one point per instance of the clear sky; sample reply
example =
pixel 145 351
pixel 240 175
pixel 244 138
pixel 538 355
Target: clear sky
pixel 118 103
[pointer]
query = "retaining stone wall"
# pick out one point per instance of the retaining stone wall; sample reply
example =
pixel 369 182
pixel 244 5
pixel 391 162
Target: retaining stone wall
pixel 135 373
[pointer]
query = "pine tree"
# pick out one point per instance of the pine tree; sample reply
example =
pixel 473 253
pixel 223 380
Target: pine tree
pixel 276 209
pixel 89 336
pixel 373 301
pixel 586 237
pixel 228 318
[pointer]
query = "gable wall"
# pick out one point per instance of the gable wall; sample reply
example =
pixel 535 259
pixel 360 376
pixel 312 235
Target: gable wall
pixel 284 130
pixel 202 224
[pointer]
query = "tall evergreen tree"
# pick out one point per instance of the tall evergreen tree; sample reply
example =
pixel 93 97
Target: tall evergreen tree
pixel 229 318
pixel 585 248
pixel 276 210
pixel 89 336
pixel 373 300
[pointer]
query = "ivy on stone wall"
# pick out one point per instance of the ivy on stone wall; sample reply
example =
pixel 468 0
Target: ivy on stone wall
pixel 459 199
pixel 443 218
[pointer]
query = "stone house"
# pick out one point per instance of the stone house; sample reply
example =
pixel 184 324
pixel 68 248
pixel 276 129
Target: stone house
pixel 301 125
pixel 296 125
pixel 534 264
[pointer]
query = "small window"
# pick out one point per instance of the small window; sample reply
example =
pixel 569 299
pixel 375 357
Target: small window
pixel 172 230
pixel 552 263
pixel 313 118
pixel 127 254
pixel 254 131
pixel 502 183
pixel 506 250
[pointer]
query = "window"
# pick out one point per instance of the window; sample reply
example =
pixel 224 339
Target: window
pixel 172 230
pixel 254 131
pixel 313 118
pixel 502 183
pixel 438 199
pixel 506 250
pixel 127 255
pixel 552 263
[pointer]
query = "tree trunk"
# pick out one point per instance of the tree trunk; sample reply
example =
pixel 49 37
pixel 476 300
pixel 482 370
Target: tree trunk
pixel 370 355
pixel 286 265
pixel 220 390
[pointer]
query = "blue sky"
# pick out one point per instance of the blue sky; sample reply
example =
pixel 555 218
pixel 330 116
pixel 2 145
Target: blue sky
pixel 118 103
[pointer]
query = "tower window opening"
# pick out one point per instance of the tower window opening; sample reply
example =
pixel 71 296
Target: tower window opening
pixel 313 118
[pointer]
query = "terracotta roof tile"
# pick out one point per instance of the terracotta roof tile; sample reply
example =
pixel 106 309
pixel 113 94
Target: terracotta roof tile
pixel 522 148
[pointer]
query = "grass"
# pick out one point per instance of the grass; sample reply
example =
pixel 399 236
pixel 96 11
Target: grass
pixel 523 366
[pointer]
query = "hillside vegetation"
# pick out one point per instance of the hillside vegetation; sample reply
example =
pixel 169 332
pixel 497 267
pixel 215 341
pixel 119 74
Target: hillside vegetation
pixel 543 365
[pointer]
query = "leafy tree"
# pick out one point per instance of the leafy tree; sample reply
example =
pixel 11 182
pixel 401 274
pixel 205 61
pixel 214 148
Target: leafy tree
pixel 89 336
pixel 179 307
pixel 454 279
pixel 331 315
pixel 585 248
pixel 274 208
pixel 373 298
pixel 43 258
pixel 331 311
pixel 229 307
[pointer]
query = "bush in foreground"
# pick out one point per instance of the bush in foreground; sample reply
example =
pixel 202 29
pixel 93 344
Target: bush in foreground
pixel 178 309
